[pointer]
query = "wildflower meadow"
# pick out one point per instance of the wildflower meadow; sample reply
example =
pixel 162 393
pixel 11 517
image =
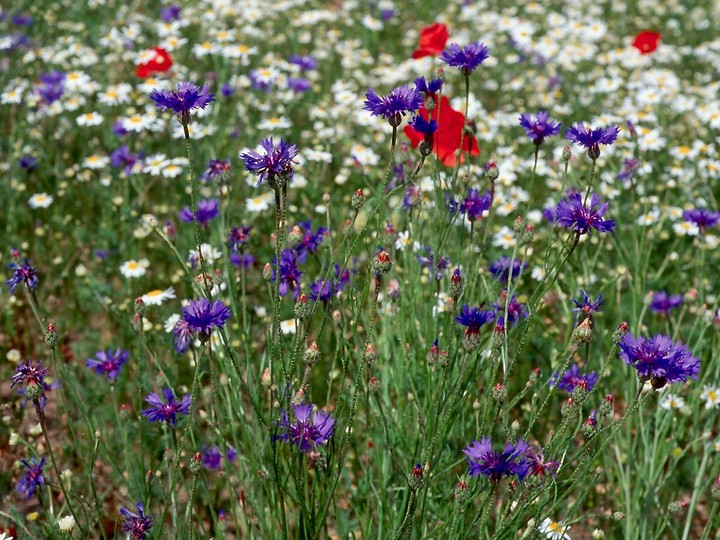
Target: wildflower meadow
pixel 359 269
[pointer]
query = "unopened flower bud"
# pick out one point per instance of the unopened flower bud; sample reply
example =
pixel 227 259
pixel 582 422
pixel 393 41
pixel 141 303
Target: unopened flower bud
pixel 267 273
pixel 618 516
pixel 196 463
pixel 295 237
pixel 370 353
pixel 456 285
pixel 263 474
pixel 312 354
pixel 326 197
pixel 676 507
pixel 583 332
pixel 301 306
pixel 715 489
pixel 382 263
pixel 337 316
pixel 34 391
pixel 566 154
pixel 51 335
pixel 433 353
pixel 515 426
pixel 568 408
pixel 373 385
pixel 621 330
pixel 491 171
pixel 416 477
pixel 358 200
pixel 461 491
pixel 518 225
pixel 499 393
pixel 598 534
pixel 139 306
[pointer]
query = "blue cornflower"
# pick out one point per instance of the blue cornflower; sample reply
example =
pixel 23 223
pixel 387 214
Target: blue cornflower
pixel 475 205
pixel 473 319
pixel 702 217
pixel 123 158
pixel 33 476
pixel 515 309
pixel 212 458
pixel 465 59
pixel 663 302
pixel 167 411
pixel 29 374
pixel 659 359
pixel 28 163
pixel 310 241
pixel 275 165
pixel 238 236
pixel 306 433
pixel 206 211
pixel 203 315
pixel 108 362
pixel 395 105
pixel 585 307
pixel 22 273
pixel 413 197
pixel 182 336
pixel 183 100
pixel 425 127
pixel 505 267
pixel 592 138
pixel 513 460
pixel 573 214
pixel 428 88
pixel 170 13
pixel 540 127
pixel 437 268
pixel 298 84
pixel 629 167
pixel 136 525
pixel 241 260
pixel 325 290
pixel 306 63
pixel 216 168
pixel 289 273
pixel 573 378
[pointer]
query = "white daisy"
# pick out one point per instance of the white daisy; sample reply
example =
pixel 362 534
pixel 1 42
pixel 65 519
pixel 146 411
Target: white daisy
pixel 258 204
pixel 89 119
pixel 711 395
pixel 270 124
pixel 157 296
pixel 171 321
pixel 132 269
pixel 96 162
pixel 288 327
pixel 671 401
pixel 554 530
pixel 40 200
pixel 66 523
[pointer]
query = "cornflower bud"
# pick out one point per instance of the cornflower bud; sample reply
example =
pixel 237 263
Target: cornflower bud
pixel 370 353
pixel 295 237
pixel 382 263
pixel 312 354
pixel 358 200
pixel 196 463
pixel 51 335
pixel 301 306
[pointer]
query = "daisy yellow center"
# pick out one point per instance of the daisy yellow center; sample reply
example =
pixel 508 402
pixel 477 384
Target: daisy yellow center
pixel 41 198
pixel 156 292
pixel 136 119
pixel 207 45
pixel 88 116
pixel 151 82
pixel 274 120
pixel 111 94
pixel 132 265
pixel 266 72
pixel 243 48
pixel 257 200
pixel 712 395
pixel 93 159
pixel 555 527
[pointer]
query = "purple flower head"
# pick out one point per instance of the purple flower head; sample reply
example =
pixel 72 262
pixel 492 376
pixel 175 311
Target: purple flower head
pixel 629 167
pixel 572 378
pixel 326 290
pixel 275 165
pixel 437 268
pixel 29 374
pixel 289 273
pixel 238 236
pixel 241 260
pixel 395 105
pixel 108 362
pixel 28 163
pixel 505 267
pixel 309 430
pixel 216 168
pixel 170 13
pixel 413 197
pixel 702 217
pixel 118 130
pixel 259 82
pixel 475 205
pixel 540 127
pixel 33 476
pixel 573 214
pixel 512 461
pixel 298 85
pixel 136 525
pixel 183 100
pixel 585 307
pixel 168 410
pixel 428 88
pixel 592 138
pixel 123 158
pixel 310 241
pixel 203 315
pixel 451 203
pixel 465 59
pixel 227 90
pixel 22 19
pixel 515 310
pixel 306 62
pixel 663 302
pixel 659 359
pixel 425 127
pixel 473 318
pixel 212 458
pixel 182 336
pixel 206 211
pixel 538 466
pixel 22 273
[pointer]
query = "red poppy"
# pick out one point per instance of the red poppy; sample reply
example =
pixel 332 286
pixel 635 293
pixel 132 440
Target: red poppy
pixel 160 62
pixel 432 40
pixel 646 41
pixel 448 136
